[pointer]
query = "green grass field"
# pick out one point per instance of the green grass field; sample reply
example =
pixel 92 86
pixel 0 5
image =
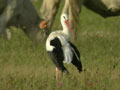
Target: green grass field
pixel 26 66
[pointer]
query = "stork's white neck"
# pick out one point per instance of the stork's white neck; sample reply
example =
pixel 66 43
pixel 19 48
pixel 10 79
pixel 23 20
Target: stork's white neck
pixel 65 28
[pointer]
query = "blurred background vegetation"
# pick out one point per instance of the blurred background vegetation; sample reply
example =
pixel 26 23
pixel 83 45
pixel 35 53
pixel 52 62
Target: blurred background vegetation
pixel 25 65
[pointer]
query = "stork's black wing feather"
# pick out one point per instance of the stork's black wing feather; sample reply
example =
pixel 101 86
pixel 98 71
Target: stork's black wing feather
pixel 57 54
pixel 75 48
pixel 76 57
pixel 56 43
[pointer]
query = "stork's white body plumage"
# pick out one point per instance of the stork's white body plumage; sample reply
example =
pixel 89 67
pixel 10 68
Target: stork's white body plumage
pixel 60 49
pixel 65 45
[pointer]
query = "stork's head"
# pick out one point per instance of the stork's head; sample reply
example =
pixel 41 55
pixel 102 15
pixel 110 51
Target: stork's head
pixel 65 20
pixel 64 17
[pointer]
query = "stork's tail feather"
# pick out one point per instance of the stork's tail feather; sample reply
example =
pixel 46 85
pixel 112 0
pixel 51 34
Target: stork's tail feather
pixel 66 72
pixel 79 67
pixel 77 64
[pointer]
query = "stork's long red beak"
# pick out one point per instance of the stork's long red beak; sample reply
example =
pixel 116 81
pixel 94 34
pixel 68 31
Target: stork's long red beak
pixel 67 22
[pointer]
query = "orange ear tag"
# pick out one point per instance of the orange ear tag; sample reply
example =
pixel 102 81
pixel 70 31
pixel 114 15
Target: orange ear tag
pixel 43 25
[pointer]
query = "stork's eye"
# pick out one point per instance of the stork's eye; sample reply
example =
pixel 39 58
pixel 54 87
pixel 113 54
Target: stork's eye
pixel 64 17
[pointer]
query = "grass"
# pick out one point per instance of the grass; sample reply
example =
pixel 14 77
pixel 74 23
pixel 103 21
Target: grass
pixel 26 66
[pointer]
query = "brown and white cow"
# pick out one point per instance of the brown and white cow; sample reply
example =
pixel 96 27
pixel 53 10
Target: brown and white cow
pixel 105 8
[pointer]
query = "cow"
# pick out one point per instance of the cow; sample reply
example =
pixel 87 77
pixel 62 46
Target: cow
pixel 21 14
pixel 105 8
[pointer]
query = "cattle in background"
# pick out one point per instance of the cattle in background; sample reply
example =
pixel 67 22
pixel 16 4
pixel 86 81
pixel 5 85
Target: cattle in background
pixel 49 9
pixel 105 8
pixel 22 14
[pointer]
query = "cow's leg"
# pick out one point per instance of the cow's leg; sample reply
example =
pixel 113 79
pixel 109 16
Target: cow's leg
pixel 48 11
pixel 8 34
pixel 74 10
pixel 66 7
pixel 7 14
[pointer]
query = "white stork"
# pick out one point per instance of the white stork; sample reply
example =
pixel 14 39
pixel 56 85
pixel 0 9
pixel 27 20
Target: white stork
pixel 61 50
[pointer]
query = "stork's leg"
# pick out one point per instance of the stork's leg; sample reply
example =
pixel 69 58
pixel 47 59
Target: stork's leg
pixel 61 78
pixel 61 75
pixel 57 73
